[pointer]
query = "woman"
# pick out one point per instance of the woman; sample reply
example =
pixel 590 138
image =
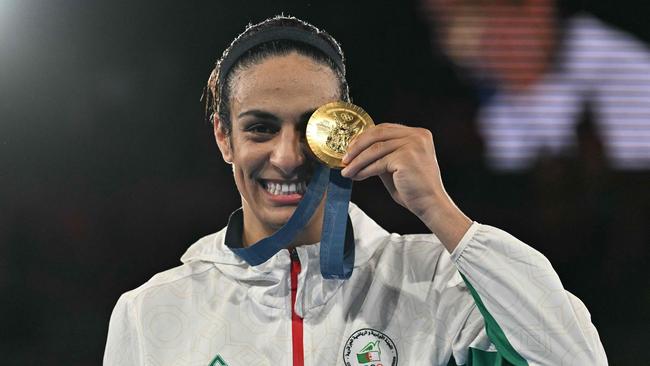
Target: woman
pixel 408 302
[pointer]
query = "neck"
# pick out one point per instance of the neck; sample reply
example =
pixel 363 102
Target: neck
pixel 256 230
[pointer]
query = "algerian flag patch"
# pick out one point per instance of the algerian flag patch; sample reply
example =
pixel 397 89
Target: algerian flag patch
pixel 369 347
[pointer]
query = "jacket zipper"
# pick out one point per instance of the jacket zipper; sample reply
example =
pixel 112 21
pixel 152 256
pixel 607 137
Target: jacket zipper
pixel 296 321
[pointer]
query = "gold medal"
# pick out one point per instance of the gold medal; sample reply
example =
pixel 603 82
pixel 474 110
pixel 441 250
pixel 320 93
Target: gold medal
pixel 331 128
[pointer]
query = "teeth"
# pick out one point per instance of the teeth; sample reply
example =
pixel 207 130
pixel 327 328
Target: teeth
pixel 286 188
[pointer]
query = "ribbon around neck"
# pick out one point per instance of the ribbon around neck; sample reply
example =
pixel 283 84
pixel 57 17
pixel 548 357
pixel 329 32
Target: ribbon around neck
pixel 334 263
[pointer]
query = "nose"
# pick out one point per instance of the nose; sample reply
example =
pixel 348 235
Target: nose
pixel 288 154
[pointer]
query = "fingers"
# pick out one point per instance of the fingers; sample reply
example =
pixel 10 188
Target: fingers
pixel 383 148
pixel 373 160
pixel 382 132
pixel 374 168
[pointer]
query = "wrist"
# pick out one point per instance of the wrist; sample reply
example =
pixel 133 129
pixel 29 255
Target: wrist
pixel 446 221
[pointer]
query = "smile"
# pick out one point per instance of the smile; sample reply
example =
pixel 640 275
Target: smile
pixel 284 188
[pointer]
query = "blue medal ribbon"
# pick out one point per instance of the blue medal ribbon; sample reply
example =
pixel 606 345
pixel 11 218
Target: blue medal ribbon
pixel 334 263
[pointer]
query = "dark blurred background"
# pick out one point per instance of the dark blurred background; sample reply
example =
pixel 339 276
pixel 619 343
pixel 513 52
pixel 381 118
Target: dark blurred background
pixel 108 170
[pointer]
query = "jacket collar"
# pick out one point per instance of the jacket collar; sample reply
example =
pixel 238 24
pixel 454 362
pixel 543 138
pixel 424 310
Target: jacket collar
pixel 268 282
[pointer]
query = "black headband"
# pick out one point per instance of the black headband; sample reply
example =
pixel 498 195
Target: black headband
pixel 276 34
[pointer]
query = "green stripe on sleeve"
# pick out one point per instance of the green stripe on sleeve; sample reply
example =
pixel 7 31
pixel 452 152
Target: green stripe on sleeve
pixel 478 357
pixel 496 336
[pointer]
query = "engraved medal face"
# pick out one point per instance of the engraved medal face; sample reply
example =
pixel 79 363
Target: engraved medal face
pixel 331 128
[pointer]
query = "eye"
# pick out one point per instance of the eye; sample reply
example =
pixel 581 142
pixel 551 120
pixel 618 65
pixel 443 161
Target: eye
pixel 261 128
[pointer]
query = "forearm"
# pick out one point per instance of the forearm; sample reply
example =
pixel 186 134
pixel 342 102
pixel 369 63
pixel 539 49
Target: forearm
pixel 446 221
pixel 518 289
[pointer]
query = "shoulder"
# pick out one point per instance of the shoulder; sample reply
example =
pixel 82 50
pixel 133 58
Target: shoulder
pixel 409 259
pixel 169 281
pixel 370 236
pixel 424 258
pixel 194 268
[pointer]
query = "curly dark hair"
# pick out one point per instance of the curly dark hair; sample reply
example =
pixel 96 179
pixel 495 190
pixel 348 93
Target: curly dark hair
pixel 217 94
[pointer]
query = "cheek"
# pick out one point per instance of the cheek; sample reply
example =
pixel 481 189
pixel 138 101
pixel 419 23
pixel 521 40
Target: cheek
pixel 250 161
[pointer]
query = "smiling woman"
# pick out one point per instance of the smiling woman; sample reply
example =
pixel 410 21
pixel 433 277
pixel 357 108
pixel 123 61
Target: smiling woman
pixel 465 293
pixel 259 100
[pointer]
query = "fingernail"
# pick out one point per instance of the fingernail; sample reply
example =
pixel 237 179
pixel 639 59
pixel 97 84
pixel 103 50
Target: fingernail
pixel 344 172
pixel 345 158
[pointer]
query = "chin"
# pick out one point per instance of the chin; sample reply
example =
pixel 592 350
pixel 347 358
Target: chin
pixel 280 216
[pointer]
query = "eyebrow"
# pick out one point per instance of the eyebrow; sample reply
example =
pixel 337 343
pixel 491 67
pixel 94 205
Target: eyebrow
pixel 270 116
pixel 259 114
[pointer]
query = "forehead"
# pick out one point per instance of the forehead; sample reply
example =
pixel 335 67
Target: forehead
pixel 282 84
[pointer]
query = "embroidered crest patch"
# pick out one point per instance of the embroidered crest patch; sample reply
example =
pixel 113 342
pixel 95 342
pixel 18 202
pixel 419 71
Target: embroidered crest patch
pixel 369 347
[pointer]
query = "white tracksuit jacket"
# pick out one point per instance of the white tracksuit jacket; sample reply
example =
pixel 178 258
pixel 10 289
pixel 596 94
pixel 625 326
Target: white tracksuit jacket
pixel 406 303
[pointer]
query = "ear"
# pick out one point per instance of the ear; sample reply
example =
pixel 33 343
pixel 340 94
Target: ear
pixel 223 140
